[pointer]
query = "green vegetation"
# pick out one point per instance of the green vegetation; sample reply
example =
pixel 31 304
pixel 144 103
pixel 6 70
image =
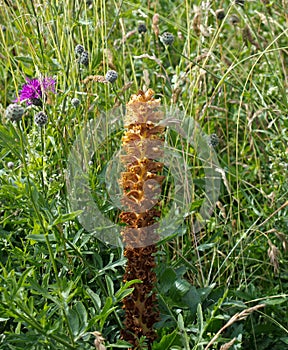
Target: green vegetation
pixel 226 284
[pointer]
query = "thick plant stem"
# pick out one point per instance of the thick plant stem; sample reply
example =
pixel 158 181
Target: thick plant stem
pixel 141 183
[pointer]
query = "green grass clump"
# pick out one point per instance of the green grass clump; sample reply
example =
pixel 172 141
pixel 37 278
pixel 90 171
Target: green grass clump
pixel 228 283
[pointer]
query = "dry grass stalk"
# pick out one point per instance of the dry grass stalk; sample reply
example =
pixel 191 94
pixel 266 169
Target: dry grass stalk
pixel 155 27
pixel 98 341
pixel 273 253
pixel 95 79
pixel 283 239
pixel 109 56
pixel 248 37
pixel 228 345
pixel 239 316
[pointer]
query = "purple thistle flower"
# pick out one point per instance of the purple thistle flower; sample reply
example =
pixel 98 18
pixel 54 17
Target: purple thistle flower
pixel 34 90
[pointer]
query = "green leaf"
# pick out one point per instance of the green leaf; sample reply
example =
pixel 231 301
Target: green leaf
pixel 179 288
pixel 180 322
pixel 192 299
pixel 205 246
pixel 66 217
pixel 125 290
pixel 166 341
pixel 95 299
pixel 73 321
pixel 82 316
pixel 41 238
pixel 275 301
pixel 167 280
pixel 200 320
pixel 121 344
pixel 110 286
pixel 284 340
pixel 25 59
pixel 124 294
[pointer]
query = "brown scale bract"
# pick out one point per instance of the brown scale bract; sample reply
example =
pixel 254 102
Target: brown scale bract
pixel 141 183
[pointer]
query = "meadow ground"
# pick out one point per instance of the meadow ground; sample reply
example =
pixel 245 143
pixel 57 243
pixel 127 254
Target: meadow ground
pixel 223 286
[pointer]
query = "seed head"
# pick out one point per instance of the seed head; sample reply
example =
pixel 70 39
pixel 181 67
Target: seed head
pixel 84 58
pixel 142 28
pixel 79 49
pixel 14 112
pixel 167 38
pixel 234 19
pixel 75 102
pixel 40 119
pixel 213 140
pixel 220 14
pixel 111 76
pixel 10 165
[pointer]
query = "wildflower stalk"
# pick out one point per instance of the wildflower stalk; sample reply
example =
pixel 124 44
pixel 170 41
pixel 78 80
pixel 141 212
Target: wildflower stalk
pixel 141 184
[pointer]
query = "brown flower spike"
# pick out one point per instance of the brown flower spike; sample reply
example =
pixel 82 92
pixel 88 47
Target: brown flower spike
pixel 141 184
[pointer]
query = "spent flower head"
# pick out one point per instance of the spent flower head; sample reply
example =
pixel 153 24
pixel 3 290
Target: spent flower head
pixel 14 112
pixel 79 49
pixel 84 58
pixel 75 102
pixel 213 140
pixel 41 119
pixel 111 76
pixel 10 165
pixel 34 90
pixel 142 28
pixel 167 38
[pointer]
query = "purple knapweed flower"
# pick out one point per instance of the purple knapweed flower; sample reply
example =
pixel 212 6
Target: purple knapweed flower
pixel 34 90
